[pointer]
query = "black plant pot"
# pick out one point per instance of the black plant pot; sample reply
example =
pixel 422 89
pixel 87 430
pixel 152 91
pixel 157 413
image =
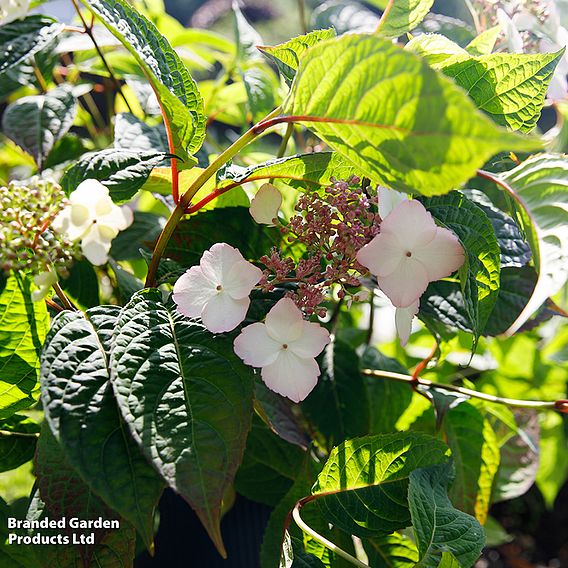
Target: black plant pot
pixel 182 542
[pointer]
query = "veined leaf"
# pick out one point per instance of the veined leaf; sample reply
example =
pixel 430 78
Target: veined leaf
pixel 393 116
pixel 403 16
pixel 21 39
pixel 131 133
pixel 287 55
pixel 362 488
pixel 16 449
pixel 391 551
pixel 37 122
pixel 480 274
pixel 509 87
pixel 439 527
pixel 540 185
pixel 181 102
pixel 83 416
pixel 434 48
pixel 484 43
pixel 124 172
pixel 23 325
pixel 187 399
pixel 261 85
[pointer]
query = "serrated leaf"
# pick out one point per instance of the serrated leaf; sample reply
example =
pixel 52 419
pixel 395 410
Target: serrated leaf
pixel 430 141
pixel 287 55
pixel 83 416
pixel 391 551
pixel 438 526
pixel 540 185
pixel 21 39
pixel 363 486
pixel 480 280
pixel 341 391
pixel 403 16
pixel 131 133
pixel 187 399
pixel 509 87
pixel 23 325
pixel 37 122
pixel 124 172
pixel 181 102
pixel 17 441
pixel 476 458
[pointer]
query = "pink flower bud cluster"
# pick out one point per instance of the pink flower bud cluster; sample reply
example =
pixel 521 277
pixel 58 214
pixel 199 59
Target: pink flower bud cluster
pixel 332 226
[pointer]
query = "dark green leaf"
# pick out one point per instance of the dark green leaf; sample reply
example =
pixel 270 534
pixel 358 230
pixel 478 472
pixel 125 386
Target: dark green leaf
pixel 175 88
pixel 438 526
pixel 69 148
pixel 131 133
pixel 21 39
pixel 363 486
pixel 82 413
pixel 14 556
pixel 23 329
pixel 143 233
pixel 127 283
pixel 187 399
pixel 16 449
pixel 431 141
pixel 124 172
pixel 391 551
pixel 82 284
pixel 341 391
pixel 37 122
pixel 287 55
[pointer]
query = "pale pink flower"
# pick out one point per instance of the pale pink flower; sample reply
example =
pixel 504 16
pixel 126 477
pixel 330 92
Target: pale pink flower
pixel 265 204
pixel 217 291
pixel 409 252
pixel 403 320
pixel 284 347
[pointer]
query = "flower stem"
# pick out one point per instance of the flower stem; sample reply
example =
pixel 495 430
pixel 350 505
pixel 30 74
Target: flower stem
pixel 384 16
pixel 559 405
pixel 9 433
pixel 302 14
pixel 199 182
pixel 321 539
pixel 67 303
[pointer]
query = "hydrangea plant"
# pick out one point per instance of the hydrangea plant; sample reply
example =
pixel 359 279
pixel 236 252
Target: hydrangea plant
pixel 328 275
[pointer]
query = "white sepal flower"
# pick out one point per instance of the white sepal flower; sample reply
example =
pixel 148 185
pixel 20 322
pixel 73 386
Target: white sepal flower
pixel 11 10
pixel 92 218
pixel 403 320
pixel 389 199
pixel 217 291
pixel 285 347
pixel 265 204
pixel 44 281
pixel 409 252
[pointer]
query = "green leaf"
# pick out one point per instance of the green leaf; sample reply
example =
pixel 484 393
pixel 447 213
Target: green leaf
pixel 387 399
pixel 232 225
pixel 124 172
pixel 391 551
pixel 438 526
pixel 429 142
pixel 176 90
pixel 82 284
pixel 187 399
pixel 476 458
pixel 21 39
pixel 341 391
pixel 434 48
pixel 23 325
pixel 261 86
pixel 540 186
pixel 480 274
pixel 509 87
pixel 36 122
pixel 83 416
pixel 270 466
pixel 17 441
pixel 127 283
pixel 287 55
pixel 363 486
pixel 14 556
pixel 131 133
pixel 348 16
pixel 403 16
pixel 62 494
pixel 247 38
pixel 143 233
pixel 484 43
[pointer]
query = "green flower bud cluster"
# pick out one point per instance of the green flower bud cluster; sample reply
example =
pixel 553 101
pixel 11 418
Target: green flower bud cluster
pixel 26 243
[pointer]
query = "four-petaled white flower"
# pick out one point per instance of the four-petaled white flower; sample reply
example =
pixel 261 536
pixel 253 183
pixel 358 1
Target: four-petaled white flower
pixel 217 291
pixel 285 347
pixel 11 10
pixel 92 218
pixel 44 281
pixel 265 205
pixel 409 252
